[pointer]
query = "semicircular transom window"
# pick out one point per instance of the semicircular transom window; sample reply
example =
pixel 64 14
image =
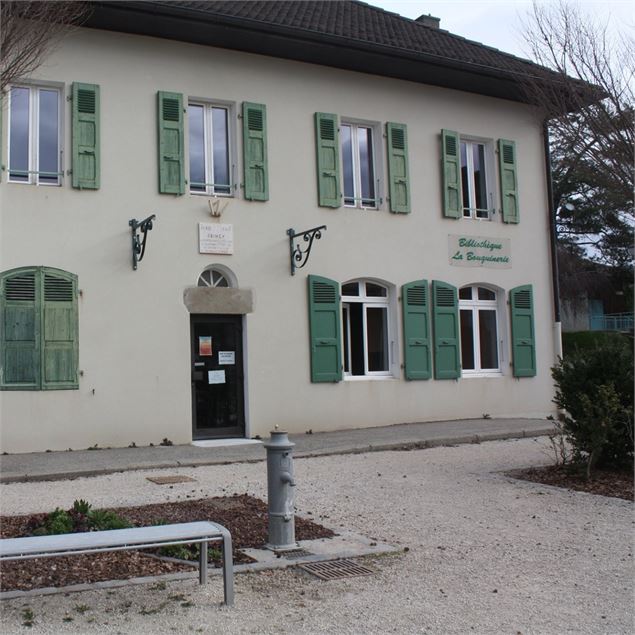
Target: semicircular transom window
pixel 213 278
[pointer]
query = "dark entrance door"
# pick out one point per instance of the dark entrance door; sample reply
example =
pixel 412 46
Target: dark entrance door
pixel 217 376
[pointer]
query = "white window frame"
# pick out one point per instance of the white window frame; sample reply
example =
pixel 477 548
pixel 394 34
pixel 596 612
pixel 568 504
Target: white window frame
pixel 375 129
pixel 474 306
pixel 367 301
pixel 472 211
pixel 210 186
pixel 33 177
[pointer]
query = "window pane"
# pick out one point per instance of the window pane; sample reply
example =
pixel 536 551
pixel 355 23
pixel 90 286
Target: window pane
pixel 347 361
pixel 375 290
pixel 377 338
pixel 480 191
pixel 486 294
pixel 347 165
pixel 465 293
pixel 19 131
pixel 467 340
pixel 488 339
pixel 357 338
pixel 221 150
pixel 465 181
pixel 350 288
pixel 366 168
pixel 48 134
pixel 197 148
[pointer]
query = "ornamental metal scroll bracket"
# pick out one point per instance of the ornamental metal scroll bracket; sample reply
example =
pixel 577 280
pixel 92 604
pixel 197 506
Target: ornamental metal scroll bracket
pixel 139 243
pixel 299 255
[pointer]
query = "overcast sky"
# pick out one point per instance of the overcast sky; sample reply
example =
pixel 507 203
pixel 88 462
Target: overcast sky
pixel 498 23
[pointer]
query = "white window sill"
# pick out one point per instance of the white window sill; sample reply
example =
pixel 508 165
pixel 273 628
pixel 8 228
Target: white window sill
pixel 218 194
pixel 368 377
pixel 477 373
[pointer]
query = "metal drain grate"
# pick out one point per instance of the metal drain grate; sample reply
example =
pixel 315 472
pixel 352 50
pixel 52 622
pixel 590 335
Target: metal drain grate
pixel 293 554
pixel 336 569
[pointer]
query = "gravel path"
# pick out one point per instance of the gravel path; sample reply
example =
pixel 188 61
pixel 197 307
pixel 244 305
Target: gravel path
pixel 486 554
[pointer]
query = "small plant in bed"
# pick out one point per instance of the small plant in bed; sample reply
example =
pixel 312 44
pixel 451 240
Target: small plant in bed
pixel 80 517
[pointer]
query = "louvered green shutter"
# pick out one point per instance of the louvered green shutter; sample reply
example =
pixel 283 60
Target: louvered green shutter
pixel 171 153
pixel 85 133
pixel 397 135
pixel 523 339
pixel 327 145
pixel 451 166
pixel 20 334
pixel 509 180
pixel 256 173
pixel 59 331
pixel 447 356
pixel 416 329
pixel 325 328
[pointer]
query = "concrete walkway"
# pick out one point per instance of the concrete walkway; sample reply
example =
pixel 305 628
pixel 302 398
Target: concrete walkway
pixel 41 466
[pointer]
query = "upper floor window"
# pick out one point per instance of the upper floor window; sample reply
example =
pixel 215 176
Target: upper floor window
pixel 34 135
pixel 358 165
pixel 365 328
pixel 474 179
pixel 210 148
pixel 478 307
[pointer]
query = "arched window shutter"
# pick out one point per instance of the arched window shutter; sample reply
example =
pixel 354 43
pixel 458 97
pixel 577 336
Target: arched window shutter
pixel 447 364
pixel 416 329
pixel 523 338
pixel 325 328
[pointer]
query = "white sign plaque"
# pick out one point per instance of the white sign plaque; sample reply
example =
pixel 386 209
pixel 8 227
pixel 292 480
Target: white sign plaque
pixel 215 238
pixel 477 251
pixel 227 357
pixel 215 376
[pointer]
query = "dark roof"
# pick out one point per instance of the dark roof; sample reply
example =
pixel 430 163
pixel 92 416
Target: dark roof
pixel 341 33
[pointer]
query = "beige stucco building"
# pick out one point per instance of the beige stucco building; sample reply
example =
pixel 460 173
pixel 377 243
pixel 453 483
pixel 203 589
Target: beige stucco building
pixel 211 335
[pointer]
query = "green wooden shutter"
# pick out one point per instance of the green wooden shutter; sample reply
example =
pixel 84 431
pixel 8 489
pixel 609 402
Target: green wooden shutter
pixel 447 364
pixel 523 339
pixel 416 329
pixel 451 166
pixel 509 180
pixel 325 327
pixel 59 330
pixel 327 145
pixel 85 133
pixel 256 172
pixel 20 330
pixel 397 135
pixel 171 152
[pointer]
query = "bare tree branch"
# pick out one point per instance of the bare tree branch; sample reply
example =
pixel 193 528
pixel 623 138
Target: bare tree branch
pixel 29 30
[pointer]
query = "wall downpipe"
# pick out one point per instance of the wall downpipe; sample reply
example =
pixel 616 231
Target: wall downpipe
pixel 553 240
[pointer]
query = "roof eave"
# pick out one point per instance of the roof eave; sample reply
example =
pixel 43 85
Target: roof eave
pixel 197 27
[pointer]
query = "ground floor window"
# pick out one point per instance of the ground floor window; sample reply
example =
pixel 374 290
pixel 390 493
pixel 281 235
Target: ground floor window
pixel 365 328
pixel 478 307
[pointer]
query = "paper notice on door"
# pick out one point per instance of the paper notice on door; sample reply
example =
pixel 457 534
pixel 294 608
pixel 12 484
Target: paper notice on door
pixel 215 376
pixel 205 346
pixel 227 357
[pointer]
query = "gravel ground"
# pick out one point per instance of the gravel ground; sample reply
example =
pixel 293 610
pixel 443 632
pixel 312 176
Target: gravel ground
pixel 486 553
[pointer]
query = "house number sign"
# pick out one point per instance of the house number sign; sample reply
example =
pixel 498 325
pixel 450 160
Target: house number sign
pixel 215 238
pixel 477 251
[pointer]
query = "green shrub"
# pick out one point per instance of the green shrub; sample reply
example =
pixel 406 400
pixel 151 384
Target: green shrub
pixel 594 388
pixel 57 522
pixel 584 340
pixel 80 517
pixel 103 520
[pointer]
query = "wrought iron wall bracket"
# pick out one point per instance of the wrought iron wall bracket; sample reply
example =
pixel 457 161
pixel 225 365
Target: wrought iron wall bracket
pixel 139 243
pixel 299 255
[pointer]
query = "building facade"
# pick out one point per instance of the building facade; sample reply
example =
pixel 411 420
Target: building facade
pixel 427 297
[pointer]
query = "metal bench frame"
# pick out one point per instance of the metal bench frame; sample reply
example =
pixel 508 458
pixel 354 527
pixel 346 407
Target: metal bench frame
pixel 200 533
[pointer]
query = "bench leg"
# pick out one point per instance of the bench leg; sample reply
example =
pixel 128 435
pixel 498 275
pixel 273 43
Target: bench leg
pixel 228 568
pixel 202 563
